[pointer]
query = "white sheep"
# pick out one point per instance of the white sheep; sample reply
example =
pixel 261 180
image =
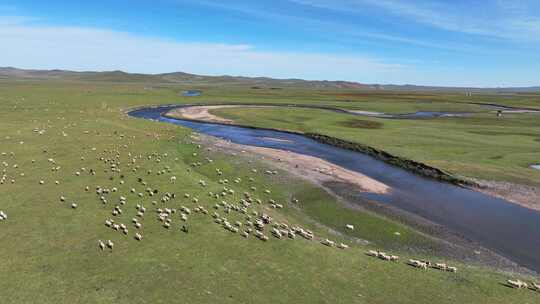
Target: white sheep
pixel 441 266
pixel 418 264
pixel 517 284
pixel 101 245
pixel 276 233
pixel 349 226
pixel 373 253
pixel 328 243
pixel 342 246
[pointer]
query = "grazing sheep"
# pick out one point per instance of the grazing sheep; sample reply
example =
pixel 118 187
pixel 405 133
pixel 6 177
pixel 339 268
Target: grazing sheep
pixel 428 263
pixel 110 244
pixel 342 246
pixel 418 264
pixel 74 205
pixel 384 256
pixel 262 237
pixel 517 284
pixel 451 269
pixel 373 253
pixel 138 236
pixel 349 226
pixel 101 245
pixel 328 243
pixel 440 266
pixel 276 233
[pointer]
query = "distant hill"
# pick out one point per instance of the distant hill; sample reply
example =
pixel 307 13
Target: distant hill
pixel 254 82
pixel 410 87
pixel 177 77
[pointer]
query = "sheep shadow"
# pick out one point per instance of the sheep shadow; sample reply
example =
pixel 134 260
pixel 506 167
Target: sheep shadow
pixel 506 285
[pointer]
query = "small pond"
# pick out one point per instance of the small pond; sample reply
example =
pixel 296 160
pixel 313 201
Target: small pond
pixel 191 93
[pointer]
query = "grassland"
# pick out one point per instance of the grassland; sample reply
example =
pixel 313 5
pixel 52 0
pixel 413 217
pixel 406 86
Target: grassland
pixel 50 255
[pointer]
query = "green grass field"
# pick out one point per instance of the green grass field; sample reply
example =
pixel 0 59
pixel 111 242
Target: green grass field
pixel 49 250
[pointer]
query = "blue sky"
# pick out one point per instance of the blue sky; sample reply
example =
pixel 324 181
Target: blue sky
pixel 453 43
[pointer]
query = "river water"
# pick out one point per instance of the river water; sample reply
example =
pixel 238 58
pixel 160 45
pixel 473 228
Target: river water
pixel 508 229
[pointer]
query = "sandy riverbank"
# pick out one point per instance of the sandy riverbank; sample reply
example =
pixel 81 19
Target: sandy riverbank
pixel 310 168
pixel 523 195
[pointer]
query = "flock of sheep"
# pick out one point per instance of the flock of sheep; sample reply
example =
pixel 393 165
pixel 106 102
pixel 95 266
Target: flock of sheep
pixel 246 214
pixel 521 284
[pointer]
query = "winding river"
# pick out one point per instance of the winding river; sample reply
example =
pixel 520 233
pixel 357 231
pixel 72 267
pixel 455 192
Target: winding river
pixel 506 228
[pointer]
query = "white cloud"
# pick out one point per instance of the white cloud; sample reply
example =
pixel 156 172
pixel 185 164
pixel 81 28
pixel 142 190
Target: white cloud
pixel 334 29
pixel 14 20
pixel 47 47
pixel 509 20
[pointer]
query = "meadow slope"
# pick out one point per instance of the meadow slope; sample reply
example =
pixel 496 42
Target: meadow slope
pixel 64 131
